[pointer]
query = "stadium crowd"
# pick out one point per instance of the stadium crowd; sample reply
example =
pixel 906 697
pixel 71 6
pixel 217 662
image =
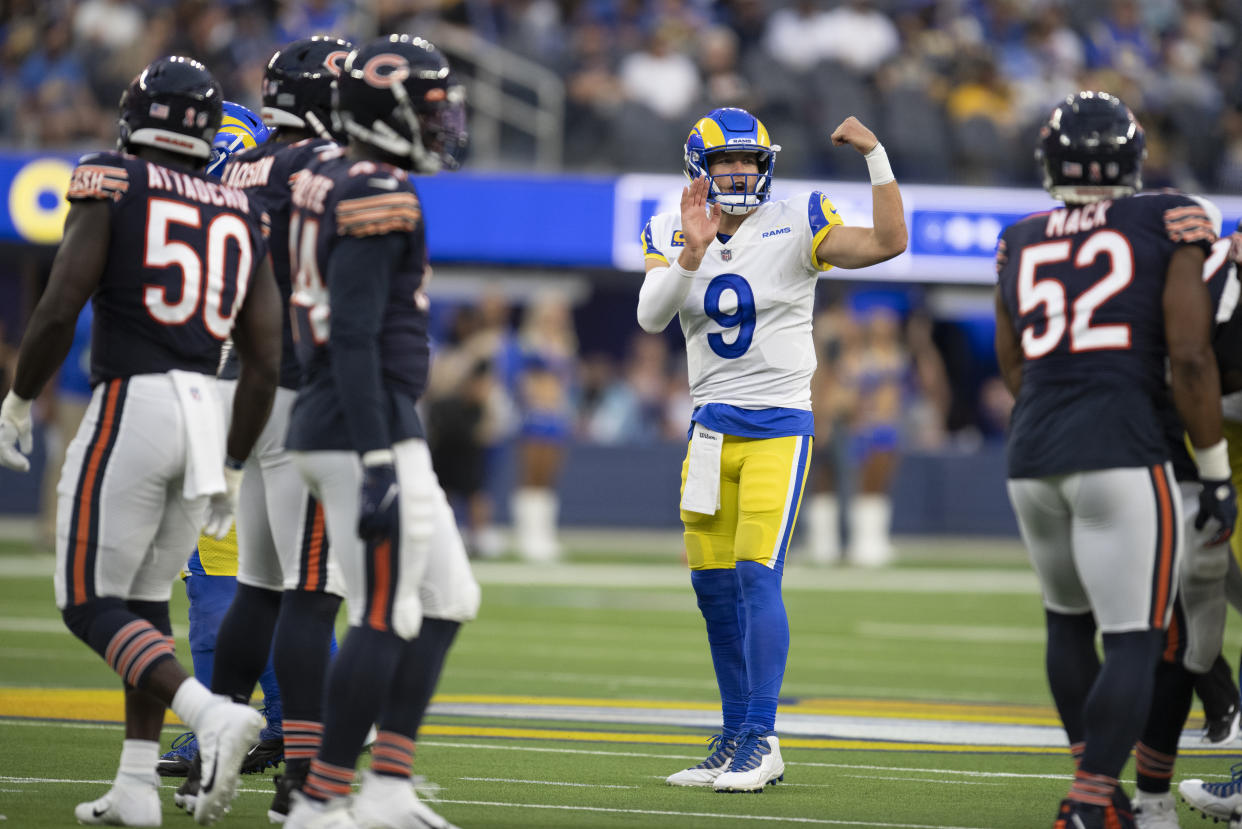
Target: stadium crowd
pixel 958 86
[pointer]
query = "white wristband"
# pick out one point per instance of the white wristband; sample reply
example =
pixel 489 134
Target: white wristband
pixel 15 407
pixel 877 165
pixel 1213 461
pixel 677 268
pixel 377 457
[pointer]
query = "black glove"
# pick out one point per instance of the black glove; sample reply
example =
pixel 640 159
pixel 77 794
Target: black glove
pixel 1217 500
pixel 379 502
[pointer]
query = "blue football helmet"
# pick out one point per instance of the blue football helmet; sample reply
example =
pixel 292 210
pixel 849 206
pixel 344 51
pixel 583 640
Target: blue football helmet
pixel 724 130
pixel 1092 147
pixel 240 130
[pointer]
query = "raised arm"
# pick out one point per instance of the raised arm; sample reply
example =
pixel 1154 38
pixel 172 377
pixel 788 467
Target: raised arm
pixel 850 246
pixel 666 286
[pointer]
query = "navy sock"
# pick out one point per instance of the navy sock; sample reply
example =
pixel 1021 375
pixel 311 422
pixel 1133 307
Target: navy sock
pixel 1072 664
pixel 1156 751
pixel 244 641
pixel 301 651
pixel 720 602
pixel 767 640
pixel 358 685
pixel 1120 699
pixel 417 675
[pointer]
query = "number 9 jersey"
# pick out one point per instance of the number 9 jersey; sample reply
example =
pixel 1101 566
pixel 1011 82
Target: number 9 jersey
pixel 1084 286
pixel 182 252
pixel 747 318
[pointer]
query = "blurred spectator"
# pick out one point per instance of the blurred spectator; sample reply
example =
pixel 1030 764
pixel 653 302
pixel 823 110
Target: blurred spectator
pixel 661 77
pixel 548 348
pixel 795 36
pixel 632 408
pixel 723 81
pixel 929 396
pixel 862 39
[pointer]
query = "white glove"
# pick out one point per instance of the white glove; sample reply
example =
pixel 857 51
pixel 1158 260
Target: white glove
pixel 15 429
pixel 223 505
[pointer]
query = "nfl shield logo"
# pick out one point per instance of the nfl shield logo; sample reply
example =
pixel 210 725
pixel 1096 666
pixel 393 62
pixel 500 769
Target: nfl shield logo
pixel 726 254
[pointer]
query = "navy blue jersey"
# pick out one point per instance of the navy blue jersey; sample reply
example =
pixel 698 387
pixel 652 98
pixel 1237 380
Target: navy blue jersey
pixel 182 250
pixel 360 312
pixel 266 173
pixel 1220 274
pixel 1084 287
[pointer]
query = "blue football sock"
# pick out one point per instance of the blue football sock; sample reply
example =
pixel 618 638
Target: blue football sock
pixel 718 595
pixel 210 597
pixel 272 708
pixel 767 640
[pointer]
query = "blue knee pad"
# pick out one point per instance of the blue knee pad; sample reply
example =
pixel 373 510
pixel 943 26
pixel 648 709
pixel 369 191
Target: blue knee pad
pixel 210 597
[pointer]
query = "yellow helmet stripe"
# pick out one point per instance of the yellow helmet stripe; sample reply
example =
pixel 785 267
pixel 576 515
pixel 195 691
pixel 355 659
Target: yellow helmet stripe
pixel 761 134
pixel 711 133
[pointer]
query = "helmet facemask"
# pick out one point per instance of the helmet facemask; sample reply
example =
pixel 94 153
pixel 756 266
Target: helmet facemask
pixel 739 193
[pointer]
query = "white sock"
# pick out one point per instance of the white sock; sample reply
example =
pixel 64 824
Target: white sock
pixel 822 529
pixel 138 759
pixel 191 700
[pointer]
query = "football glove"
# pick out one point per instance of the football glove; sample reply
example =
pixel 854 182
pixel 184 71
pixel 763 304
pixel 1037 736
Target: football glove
pixel 379 499
pixel 16 438
pixel 223 505
pixel 1219 501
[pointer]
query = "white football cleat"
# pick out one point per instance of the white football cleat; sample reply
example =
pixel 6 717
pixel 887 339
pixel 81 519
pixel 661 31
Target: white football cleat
pixel 387 802
pixel 308 813
pixel 123 805
pixel 1215 800
pixel 230 730
pixel 756 763
pixel 705 773
pixel 1154 811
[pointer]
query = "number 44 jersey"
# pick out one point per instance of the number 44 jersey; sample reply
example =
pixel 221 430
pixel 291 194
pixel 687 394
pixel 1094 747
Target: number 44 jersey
pixel 747 318
pixel 182 252
pixel 1084 287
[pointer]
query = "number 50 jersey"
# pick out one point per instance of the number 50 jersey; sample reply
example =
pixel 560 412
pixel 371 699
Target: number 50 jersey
pixel 182 252
pixel 747 318
pixel 1084 287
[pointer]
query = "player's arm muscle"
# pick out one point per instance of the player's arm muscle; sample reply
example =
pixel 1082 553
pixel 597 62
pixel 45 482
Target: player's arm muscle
pixel 848 246
pixel 76 271
pixel 257 338
pixel 1008 347
pixel 1187 332
pixel 359 273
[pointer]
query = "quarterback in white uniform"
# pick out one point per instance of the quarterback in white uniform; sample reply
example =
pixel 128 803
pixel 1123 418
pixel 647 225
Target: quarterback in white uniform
pixel 739 270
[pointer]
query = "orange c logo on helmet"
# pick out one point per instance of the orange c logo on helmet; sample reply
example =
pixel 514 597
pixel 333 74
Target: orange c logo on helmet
pixel 335 61
pixel 374 75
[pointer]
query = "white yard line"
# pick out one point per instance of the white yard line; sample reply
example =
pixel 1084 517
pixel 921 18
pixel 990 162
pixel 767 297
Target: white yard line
pixel 545 783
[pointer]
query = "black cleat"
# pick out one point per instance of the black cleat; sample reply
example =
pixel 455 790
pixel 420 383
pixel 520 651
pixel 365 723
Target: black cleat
pixel 187 792
pixel 286 784
pixel 264 754
pixel 176 761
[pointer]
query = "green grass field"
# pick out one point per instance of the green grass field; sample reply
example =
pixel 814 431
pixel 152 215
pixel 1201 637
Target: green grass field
pixel 916 698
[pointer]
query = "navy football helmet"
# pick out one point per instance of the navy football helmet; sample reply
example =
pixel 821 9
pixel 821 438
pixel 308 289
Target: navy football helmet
pixel 175 105
pixel 724 130
pixel 397 94
pixel 1092 148
pixel 297 84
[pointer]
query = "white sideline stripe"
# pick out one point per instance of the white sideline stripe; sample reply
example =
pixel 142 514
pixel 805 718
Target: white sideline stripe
pixel 919 780
pixel 714 815
pixel 544 782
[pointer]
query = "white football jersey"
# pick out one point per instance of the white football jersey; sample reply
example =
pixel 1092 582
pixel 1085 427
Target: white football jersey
pixel 747 318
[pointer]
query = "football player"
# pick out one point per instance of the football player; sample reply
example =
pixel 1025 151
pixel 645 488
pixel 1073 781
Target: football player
pixel 175 264
pixel 211 573
pixel 739 270
pixel 359 262
pixel 286 589
pixel 1092 299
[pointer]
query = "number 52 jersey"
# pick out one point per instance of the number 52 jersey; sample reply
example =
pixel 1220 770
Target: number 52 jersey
pixel 1084 287
pixel 747 318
